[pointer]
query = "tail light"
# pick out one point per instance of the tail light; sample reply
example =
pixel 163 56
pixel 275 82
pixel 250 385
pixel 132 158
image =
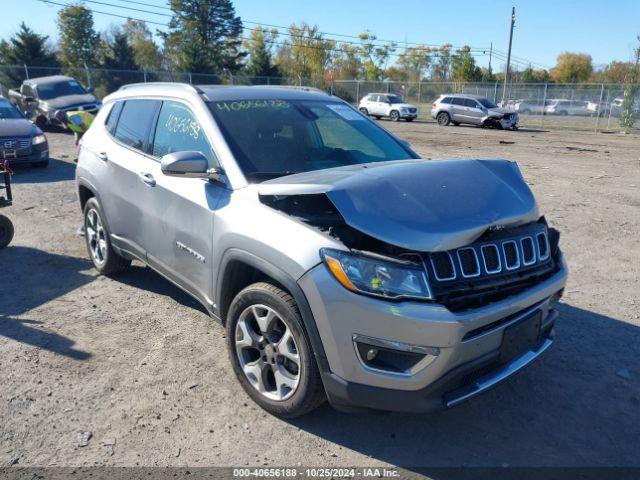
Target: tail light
pixel 433 105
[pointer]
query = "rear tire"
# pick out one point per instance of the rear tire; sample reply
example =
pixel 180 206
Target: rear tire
pixel 270 352
pixel 443 119
pixel 6 231
pixel 102 255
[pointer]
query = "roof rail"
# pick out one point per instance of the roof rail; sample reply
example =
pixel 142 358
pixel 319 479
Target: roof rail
pixel 186 86
pixel 295 87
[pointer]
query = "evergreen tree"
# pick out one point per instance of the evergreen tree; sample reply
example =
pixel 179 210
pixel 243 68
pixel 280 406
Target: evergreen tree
pixel 25 47
pixel 204 36
pixel 259 48
pixel 118 56
pixel 79 42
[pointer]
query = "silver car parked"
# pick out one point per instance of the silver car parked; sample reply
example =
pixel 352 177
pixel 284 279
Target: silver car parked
pixel 341 264
pixel 474 110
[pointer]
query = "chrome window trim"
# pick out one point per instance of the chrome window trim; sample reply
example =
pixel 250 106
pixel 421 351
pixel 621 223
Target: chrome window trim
pixel 546 241
pixel 533 251
pixel 453 268
pixel 475 255
pixel 506 262
pixel 484 260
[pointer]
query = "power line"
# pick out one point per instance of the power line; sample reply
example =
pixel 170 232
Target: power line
pixel 328 49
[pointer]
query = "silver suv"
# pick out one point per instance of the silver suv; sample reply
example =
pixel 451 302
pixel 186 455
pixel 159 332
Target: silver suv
pixel 341 264
pixel 472 109
pixel 380 105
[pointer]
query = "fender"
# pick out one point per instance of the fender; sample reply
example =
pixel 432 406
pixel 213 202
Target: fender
pixel 288 282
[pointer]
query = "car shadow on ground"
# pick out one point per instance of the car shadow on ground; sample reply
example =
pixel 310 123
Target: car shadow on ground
pixel 57 171
pixel 590 376
pixel 30 279
pixel 146 279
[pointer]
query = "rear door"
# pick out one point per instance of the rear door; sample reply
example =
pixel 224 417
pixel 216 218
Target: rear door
pixel 126 160
pixel 458 110
pixel 179 212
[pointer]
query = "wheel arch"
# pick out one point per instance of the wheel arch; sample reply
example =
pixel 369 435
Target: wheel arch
pixel 239 269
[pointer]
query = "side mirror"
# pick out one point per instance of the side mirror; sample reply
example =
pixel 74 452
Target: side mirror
pixel 189 165
pixel 90 90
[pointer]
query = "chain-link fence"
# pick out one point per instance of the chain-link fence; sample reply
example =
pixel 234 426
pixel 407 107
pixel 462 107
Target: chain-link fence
pixel 594 107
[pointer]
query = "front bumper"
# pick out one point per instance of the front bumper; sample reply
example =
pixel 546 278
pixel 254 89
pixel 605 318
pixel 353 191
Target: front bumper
pixel 409 115
pixel 464 366
pixel 32 154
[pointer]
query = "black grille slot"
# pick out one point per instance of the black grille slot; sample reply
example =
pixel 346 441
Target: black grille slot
pixel 511 257
pixel 468 262
pixel 528 251
pixel 491 257
pixel 443 266
pixel 543 246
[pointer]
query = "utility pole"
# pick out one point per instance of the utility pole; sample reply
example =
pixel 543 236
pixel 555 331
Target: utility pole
pixel 490 55
pixel 506 74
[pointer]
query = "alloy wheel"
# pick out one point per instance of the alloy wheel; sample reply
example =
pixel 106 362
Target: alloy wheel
pixel 267 352
pixel 96 237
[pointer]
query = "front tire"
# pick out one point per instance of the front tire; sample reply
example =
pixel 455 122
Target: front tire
pixel 6 231
pixel 270 352
pixel 364 111
pixel 443 119
pixel 103 256
pixel 394 115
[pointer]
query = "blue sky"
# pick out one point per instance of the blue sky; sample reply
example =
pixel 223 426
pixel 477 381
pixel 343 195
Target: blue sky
pixel 544 28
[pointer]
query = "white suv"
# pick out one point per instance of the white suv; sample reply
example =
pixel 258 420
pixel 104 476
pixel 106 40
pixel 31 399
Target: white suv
pixel 389 105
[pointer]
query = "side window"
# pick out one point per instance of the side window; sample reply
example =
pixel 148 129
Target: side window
pixel 135 121
pixel 112 119
pixel 179 131
pixel 458 101
pixel 468 102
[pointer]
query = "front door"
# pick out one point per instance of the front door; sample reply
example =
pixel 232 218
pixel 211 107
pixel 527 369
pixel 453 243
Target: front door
pixel 179 212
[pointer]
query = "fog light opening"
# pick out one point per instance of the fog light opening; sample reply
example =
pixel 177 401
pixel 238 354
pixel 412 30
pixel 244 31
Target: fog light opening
pixel 372 353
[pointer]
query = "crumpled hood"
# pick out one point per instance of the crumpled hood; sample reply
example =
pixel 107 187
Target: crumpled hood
pixel 499 111
pixel 70 101
pixel 420 205
pixel 17 127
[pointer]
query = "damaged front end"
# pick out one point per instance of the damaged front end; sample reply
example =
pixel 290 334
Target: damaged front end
pixel 470 228
pixel 501 119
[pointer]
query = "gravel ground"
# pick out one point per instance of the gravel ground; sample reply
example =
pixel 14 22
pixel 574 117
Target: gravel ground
pixel 139 365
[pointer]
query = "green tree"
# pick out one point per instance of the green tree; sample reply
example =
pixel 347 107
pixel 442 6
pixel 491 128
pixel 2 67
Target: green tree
pixel 572 68
pixel 631 90
pixel 306 54
pixel 487 75
pixel 346 63
pixel 204 36
pixel 615 72
pixel 442 66
pixel 118 55
pixel 79 42
pixel 374 57
pixel 463 66
pixel 24 47
pixel 146 52
pixel 415 61
pixel 529 75
pixel 259 48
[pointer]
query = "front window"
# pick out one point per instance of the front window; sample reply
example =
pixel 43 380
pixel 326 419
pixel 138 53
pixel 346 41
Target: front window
pixel 273 138
pixel 47 91
pixel 393 99
pixel 486 103
pixel 9 112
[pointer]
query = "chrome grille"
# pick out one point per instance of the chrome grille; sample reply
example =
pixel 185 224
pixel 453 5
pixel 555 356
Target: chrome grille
pixel 14 143
pixel 504 255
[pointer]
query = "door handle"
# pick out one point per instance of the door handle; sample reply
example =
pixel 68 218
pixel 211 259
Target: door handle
pixel 147 179
pixel 103 156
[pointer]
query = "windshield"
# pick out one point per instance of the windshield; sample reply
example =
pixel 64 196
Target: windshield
pixel 487 103
pixel 273 138
pixel 8 111
pixel 395 99
pixel 48 91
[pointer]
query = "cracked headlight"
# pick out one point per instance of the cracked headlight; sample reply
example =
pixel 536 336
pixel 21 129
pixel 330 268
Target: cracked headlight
pixel 376 276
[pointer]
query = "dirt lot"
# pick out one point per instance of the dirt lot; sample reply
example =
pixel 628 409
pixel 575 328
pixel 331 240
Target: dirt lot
pixel 138 364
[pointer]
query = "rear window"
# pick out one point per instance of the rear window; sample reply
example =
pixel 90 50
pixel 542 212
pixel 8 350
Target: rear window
pixel 135 122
